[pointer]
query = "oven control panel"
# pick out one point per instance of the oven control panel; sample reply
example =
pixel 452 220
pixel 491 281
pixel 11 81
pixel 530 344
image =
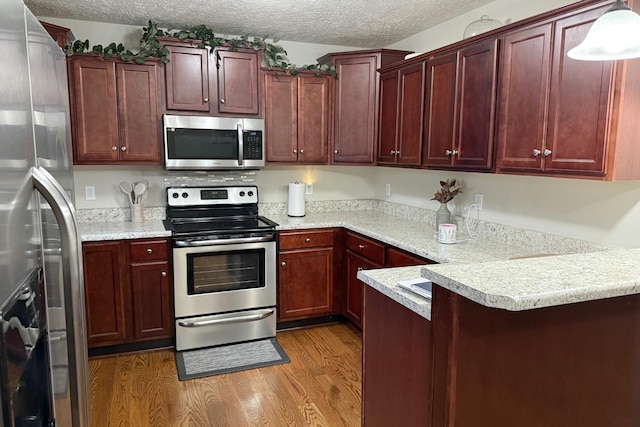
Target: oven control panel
pixel 208 196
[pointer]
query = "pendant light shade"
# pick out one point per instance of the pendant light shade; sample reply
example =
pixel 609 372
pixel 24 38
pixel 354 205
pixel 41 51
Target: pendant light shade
pixel 615 35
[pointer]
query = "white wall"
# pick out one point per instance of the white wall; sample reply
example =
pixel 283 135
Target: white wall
pixel 505 11
pixel 329 183
pixel 604 212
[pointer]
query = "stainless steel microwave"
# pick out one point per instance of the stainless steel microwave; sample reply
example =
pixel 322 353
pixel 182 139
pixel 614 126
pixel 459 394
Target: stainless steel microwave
pixel 212 143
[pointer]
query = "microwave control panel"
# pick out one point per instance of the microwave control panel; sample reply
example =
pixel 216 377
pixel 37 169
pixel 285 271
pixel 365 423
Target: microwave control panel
pixel 252 145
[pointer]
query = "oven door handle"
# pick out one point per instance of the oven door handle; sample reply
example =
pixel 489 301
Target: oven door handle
pixel 196 243
pixel 236 319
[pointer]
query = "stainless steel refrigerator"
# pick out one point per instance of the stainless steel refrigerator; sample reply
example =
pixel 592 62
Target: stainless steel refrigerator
pixel 43 351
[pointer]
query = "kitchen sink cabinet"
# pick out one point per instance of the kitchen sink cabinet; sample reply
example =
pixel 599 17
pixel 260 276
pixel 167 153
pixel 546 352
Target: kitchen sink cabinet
pixel 355 112
pixel 115 111
pixel 127 292
pixel 297 117
pixel 220 83
pixel 396 369
pixel 305 274
pixel 401 116
pixel 460 107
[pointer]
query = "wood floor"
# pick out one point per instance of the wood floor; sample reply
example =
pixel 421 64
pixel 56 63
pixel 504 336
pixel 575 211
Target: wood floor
pixel 320 387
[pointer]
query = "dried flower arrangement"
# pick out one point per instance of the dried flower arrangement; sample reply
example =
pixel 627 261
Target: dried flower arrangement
pixel 448 191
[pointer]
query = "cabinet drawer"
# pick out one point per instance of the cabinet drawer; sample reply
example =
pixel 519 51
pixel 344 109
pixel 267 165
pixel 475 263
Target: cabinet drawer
pixel 306 239
pixel 370 249
pixel 148 250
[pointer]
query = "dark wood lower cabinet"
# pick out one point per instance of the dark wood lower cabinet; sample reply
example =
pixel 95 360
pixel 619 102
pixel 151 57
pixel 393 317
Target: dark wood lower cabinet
pixel 306 274
pixel 353 306
pixel 151 299
pixel 397 364
pixel 128 294
pixel 104 292
pixel 306 283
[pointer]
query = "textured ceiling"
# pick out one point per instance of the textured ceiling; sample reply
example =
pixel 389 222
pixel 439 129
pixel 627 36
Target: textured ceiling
pixel 359 23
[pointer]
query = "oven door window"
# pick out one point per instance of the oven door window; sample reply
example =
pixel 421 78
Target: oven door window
pixel 225 271
pixel 208 144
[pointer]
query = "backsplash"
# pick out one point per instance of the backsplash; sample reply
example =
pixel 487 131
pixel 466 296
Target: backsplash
pixel 196 178
pixel 538 242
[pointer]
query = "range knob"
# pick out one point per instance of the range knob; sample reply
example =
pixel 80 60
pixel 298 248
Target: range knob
pixel 175 195
pixel 185 195
pixel 250 193
pixel 242 194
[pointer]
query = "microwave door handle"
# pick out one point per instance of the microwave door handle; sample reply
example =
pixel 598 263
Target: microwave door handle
pixel 240 144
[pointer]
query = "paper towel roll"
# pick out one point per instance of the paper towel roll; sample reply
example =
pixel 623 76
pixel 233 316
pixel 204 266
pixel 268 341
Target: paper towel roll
pixel 296 199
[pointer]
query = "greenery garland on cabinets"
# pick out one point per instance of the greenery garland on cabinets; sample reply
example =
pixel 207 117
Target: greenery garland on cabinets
pixel 274 55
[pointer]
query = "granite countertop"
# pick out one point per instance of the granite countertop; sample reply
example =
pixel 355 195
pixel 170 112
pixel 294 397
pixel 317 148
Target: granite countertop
pixel 480 270
pixel 525 284
pixel 119 230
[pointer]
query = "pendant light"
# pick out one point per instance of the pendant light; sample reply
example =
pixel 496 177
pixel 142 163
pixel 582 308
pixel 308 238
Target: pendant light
pixel 615 35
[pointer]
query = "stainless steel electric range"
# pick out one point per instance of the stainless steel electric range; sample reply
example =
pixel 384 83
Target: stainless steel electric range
pixel 224 266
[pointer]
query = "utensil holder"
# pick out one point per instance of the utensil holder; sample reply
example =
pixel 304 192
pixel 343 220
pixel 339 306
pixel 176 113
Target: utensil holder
pixel 137 212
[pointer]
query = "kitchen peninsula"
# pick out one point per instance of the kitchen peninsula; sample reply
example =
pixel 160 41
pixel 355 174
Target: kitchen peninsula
pixel 551 341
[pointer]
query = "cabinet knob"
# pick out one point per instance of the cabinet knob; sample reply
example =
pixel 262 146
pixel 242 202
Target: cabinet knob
pixel 205 100
pixel 360 269
pixel 448 152
pixel 335 152
pixel 302 151
pixel 164 274
pixel 546 152
pixel 149 250
pixel 308 240
pixel 114 148
pixel 284 264
pixel 362 246
pixel 221 100
pixel 392 152
pixel 123 148
pixel 536 152
pixel 295 151
pixel 397 152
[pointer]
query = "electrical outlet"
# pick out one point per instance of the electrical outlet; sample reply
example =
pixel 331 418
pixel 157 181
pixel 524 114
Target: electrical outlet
pixel 387 189
pixel 309 188
pixel 478 201
pixel 89 192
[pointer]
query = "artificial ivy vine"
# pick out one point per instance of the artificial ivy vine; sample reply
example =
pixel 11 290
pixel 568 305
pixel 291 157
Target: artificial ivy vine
pixel 274 55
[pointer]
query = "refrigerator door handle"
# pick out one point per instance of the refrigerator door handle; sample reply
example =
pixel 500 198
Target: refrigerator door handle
pixel 71 245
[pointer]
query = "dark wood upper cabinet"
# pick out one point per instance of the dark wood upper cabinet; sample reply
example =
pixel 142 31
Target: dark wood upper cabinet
pixel 578 102
pixel 524 94
pixel 401 116
pixel 115 109
pixel 297 118
pixel 440 109
pixel 187 79
pixel 238 81
pixel 460 107
pixel 554 110
pixel 355 121
pixel 224 82
pixel 61 35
